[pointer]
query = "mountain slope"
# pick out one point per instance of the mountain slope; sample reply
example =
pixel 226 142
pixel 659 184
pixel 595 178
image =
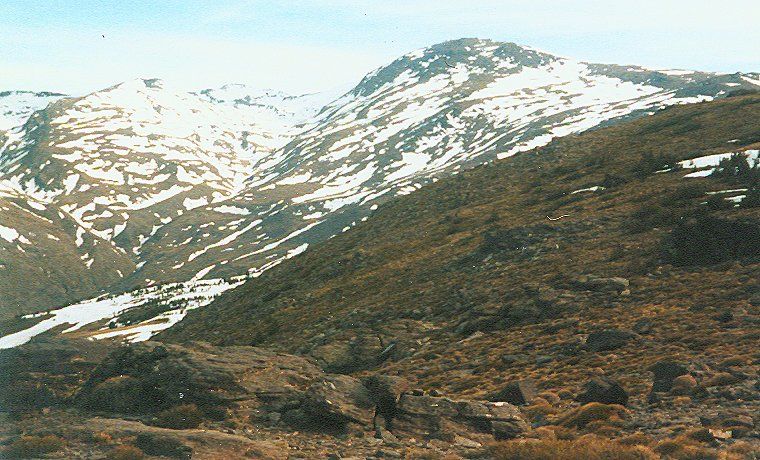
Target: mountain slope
pixel 199 185
pixel 113 167
pixel 426 115
pixel 519 257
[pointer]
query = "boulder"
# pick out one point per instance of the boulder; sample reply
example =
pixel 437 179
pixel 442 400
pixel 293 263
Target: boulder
pixel 664 373
pixel 683 385
pixel 603 390
pixel 338 400
pixel 385 391
pixel 613 284
pixel 441 417
pixel 608 339
pixel 519 392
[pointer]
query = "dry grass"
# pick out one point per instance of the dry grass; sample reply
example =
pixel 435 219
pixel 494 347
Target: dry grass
pixel 126 452
pixel 587 448
pixel 582 416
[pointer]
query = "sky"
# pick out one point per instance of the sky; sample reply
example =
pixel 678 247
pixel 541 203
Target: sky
pixel 79 46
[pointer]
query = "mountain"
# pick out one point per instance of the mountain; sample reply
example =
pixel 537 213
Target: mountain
pixel 224 182
pixel 594 298
pixel 111 168
pixel 429 114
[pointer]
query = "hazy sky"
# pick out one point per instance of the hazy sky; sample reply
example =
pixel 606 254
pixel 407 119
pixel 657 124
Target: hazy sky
pixel 79 46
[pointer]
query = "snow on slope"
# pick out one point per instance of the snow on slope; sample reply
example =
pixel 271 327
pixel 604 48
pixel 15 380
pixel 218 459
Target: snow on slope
pixel 126 160
pixel 176 299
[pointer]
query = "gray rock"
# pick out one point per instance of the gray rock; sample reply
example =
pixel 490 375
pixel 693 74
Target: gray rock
pixel 519 392
pixel 603 390
pixel 338 400
pixel 608 339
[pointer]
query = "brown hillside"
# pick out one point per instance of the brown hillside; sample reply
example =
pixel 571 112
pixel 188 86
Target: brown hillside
pixel 470 282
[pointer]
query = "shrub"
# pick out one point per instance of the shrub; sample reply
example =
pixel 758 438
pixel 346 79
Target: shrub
pixel 126 452
pixel 650 163
pixel 34 446
pixel 708 240
pixel 752 198
pixel 687 191
pixel 180 417
pixel 737 168
pixel 650 216
pixel 587 448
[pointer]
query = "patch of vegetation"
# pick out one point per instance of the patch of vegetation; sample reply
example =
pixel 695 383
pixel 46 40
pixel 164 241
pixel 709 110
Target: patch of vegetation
pixel 27 447
pixel 126 452
pixel 651 163
pixel 180 417
pixel 148 310
pixel 594 448
pixel 708 240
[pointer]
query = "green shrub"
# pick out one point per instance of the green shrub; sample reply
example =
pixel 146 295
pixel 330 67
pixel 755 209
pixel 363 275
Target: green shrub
pixel 34 446
pixel 180 417
pixel 651 163
pixel 709 240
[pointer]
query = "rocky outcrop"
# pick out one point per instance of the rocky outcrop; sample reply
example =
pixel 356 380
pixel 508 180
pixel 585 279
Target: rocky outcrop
pixel 614 284
pixel 339 399
pixel 444 418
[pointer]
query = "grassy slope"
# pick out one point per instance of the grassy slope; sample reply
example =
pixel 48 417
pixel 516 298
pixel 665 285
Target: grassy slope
pixel 421 265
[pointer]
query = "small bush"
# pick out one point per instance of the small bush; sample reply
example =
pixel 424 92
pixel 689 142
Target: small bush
pixel 126 452
pixel 584 448
pixel 722 379
pixel 180 417
pixel 738 169
pixel 34 446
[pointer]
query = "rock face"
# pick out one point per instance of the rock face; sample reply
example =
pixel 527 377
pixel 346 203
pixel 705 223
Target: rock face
pixel 150 377
pixel 339 399
pixel 149 380
pixel 603 390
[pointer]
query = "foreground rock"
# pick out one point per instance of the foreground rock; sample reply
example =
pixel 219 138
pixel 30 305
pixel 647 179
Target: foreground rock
pixel 445 418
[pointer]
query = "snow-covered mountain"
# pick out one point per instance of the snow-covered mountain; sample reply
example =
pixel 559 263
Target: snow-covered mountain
pixel 16 106
pixel 428 114
pixel 229 181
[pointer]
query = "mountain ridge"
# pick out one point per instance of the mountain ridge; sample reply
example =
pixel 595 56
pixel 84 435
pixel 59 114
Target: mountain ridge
pixel 428 114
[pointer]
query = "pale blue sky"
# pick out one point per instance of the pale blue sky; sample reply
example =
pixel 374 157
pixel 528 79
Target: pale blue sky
pixel 301 46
